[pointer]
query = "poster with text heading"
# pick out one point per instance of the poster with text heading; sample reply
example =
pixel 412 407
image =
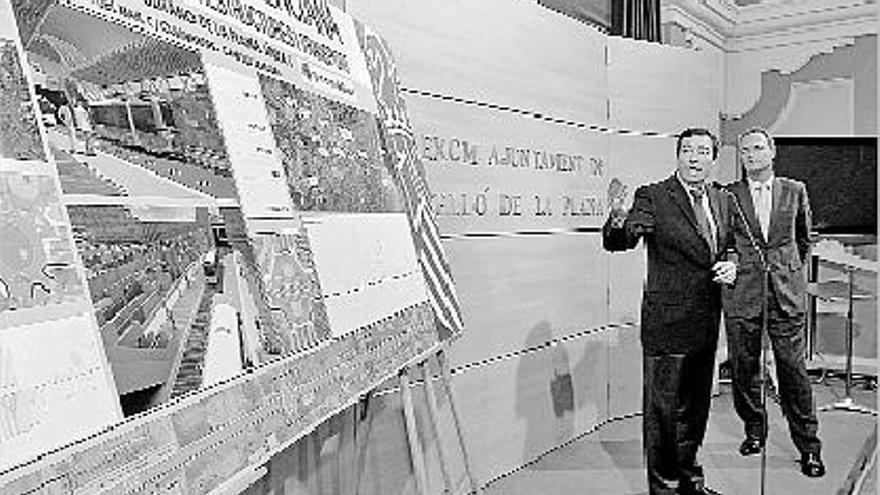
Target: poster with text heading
pixel 191 140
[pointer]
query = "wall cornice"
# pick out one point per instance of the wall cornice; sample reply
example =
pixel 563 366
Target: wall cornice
pixel 716 18
pixel 735 28
pixel 694 26
pixel 780 16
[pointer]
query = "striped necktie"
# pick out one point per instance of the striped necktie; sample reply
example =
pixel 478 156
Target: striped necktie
pixel 702 219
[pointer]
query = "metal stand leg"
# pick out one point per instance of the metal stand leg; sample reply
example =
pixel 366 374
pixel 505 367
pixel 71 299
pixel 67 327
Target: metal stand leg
pixel 433 416
pixel 412 434
pixel 847 403
pixel 812 314
pixel 765 374
pixel 447 385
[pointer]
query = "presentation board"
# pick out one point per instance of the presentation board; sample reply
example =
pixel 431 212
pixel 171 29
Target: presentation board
pixel 175 169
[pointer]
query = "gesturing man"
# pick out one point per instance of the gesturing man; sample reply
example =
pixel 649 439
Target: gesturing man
pixel 685 226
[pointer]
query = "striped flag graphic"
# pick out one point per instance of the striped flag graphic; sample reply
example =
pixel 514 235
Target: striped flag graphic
pixel 409 177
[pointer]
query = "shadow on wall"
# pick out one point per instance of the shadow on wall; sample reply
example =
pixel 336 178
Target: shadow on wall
pixel 544 393
pixel 551 393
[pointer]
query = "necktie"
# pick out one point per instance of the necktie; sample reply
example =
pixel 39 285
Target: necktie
pixel 763 205
pixel 702 219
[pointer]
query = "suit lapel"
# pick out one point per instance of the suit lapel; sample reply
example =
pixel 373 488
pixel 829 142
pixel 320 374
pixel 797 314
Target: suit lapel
pixel 778 194
pixel 741 190
pixel 679 197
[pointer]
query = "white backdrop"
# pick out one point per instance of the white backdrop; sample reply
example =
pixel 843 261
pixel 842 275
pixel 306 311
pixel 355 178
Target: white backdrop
pixel 541 299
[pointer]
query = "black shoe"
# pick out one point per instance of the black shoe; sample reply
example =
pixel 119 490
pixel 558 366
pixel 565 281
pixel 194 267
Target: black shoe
pixel 812 465
pixel 751 446
pixel 699 489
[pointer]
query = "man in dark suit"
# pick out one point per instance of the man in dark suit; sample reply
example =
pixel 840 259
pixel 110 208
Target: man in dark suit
pixel 685 225
pixel 772 227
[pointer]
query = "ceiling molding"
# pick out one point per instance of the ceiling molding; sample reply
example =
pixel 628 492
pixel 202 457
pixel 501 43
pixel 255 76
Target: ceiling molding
pixel 717 16
pixel 731 27
pixel 694 26
pixel 755 21
pixel 827 32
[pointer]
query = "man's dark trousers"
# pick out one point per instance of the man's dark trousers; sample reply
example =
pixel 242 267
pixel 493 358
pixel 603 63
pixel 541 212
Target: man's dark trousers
pixel 744 347
pixel 675 405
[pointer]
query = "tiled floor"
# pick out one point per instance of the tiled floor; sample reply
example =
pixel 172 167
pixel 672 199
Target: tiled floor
pixel 609 461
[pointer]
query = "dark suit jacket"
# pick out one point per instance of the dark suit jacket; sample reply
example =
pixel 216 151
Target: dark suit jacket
pixel 786 249
pixel 681 305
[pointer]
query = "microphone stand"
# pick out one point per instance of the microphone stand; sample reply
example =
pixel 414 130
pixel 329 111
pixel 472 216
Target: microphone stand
pixel 765 336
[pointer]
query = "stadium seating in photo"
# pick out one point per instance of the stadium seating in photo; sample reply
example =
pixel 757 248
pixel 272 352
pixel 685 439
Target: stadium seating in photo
pixel 173 134
pixel 194 167
pixel 133 266
pixel 189 373
pixel 77 178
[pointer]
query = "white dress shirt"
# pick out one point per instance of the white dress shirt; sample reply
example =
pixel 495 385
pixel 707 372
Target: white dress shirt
pixel 762 198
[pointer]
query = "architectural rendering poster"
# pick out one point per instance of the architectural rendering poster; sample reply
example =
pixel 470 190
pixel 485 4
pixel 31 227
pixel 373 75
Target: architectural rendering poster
pixel 180 172
pixel 54 376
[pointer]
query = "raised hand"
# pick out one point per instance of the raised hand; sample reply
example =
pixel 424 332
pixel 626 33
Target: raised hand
pixel 617 193
pixel 725 272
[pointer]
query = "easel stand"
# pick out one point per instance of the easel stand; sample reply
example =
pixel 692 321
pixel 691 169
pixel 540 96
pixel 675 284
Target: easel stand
pixel 847 403
pixel 412 434
pixel 415 445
